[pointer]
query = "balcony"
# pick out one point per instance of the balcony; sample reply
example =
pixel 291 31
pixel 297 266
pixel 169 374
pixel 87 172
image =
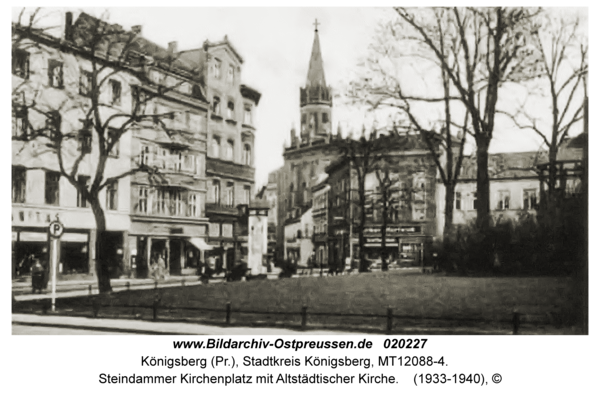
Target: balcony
pixel 212 208
pixel 168 208
pixel 229 169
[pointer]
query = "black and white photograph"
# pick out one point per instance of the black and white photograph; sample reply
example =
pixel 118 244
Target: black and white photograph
pixel 299 171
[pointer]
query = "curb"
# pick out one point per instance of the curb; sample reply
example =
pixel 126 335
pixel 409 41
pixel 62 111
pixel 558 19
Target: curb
pixel 100 328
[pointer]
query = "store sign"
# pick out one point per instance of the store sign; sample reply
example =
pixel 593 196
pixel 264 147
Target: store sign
pixel 74 237
pixel 394 230
pixel 33 237
pixel 388 241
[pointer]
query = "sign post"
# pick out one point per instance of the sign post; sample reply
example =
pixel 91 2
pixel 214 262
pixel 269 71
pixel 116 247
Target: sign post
pixel 55 229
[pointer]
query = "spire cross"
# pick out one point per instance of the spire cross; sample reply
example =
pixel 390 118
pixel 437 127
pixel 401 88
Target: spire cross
pixel 316 25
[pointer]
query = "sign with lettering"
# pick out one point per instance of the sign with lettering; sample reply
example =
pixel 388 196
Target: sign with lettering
pixel 393 230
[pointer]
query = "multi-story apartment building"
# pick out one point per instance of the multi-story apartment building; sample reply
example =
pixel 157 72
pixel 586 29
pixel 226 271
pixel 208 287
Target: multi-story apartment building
pixel 167 211
pixel 268 195
pixel 51 97
pixel 230 151
pixel 320 212
pixel 410 224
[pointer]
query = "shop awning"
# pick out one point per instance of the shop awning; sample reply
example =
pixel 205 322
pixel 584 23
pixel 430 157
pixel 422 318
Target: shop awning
pixel 200 244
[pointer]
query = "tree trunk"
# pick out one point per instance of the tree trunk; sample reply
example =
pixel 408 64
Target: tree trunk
pixel 101 263
pixel 363 265
pixel 483 185
pixel 448 212
pixel 384 213
pixel 551 193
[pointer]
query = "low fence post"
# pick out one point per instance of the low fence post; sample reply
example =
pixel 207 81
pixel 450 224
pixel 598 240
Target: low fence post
pixel 304 310
pixel 228 312
pixel 155 307
pixel 95 306
pixel 155 284
pixel 516 320
pixel 44 307
pixel 390 319
pixel 183 282
pixel 128 286
pixel 90 289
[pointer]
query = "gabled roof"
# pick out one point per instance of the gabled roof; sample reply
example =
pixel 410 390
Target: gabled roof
pixel 225 43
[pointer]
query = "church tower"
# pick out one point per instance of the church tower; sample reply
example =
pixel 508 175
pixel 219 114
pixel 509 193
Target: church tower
pixel 315 98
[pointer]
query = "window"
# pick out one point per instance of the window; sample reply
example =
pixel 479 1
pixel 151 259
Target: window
pixel 325 117
pixel 227 230
pixel 111 195
pixel 217 69
pixel 52 188
pixel 229 195
pixel 139 101
pixel 53 124
pixel 214 229
pixel 229 150
pixel 113 139
pixel 215 147
pixel 247 195
pixel 230 74
pixel 84 140
pixel 85 83
pixel 248 115
pixel 145 155
pixel 304 193
pixel 474 194
pixel 19 122
pixel 457 205
pixel 503 198
pixel 19 184
pixel 55 74
pixel 230 110
pixel 20 63
pixel 194 205
pixel 83 181
pixel 529 199
pixel 142 204
pixel 115 92
pixel 247 159
pixel 216 105
pixel 215 192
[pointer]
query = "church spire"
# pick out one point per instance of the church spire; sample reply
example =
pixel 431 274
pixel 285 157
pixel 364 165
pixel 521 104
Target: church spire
pixel 316 72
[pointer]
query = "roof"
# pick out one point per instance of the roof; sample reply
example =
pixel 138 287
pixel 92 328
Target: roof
pixel 316 72
pixel 505 165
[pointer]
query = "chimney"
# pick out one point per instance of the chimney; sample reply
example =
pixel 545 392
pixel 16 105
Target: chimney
pixel 137 29
pixel 172 47
pixel 69 26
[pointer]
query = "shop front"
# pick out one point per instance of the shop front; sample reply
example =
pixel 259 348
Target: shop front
pixel 162 249
pixel 406 245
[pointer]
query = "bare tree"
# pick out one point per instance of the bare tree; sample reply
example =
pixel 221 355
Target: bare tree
pixel 360 155
pixel 485 46
pixel 75 125
pixel 386 82
pixel 560 45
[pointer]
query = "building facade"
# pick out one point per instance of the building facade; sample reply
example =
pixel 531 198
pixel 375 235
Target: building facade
pixel 52 71
pixel 230 147
pixel 167 211
pixel 320 211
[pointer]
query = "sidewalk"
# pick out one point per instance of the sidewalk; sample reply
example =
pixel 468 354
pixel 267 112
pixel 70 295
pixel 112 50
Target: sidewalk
pixel 157 328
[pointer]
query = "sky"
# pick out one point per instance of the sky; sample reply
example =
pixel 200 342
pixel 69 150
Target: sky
pixel 275 44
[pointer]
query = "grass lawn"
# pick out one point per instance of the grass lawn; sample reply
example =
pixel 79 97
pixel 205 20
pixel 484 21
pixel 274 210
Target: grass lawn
pixel 412 296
